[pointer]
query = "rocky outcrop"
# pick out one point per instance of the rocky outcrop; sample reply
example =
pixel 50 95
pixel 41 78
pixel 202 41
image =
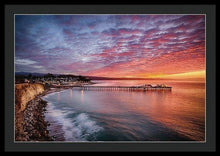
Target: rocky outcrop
pixel 26 92
pixel 29 113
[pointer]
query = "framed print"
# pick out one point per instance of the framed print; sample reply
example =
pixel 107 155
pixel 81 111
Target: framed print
pixel 110 78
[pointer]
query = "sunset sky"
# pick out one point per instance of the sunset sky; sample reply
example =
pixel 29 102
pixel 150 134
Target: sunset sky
pixel 130 46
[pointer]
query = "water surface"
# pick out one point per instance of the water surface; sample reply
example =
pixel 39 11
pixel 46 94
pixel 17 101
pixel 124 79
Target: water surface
pixel 109 115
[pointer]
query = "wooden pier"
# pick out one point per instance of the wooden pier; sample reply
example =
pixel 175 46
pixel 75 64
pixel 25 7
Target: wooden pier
pixel 126 88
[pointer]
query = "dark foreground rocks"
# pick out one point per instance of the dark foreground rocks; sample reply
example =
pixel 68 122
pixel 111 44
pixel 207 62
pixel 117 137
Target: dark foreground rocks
pixel 30 123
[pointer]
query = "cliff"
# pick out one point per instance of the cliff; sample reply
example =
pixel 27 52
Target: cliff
pixel 29 109
pixel 26 92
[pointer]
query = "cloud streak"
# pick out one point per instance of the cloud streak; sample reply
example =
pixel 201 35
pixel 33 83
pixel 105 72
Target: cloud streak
pixel 110 45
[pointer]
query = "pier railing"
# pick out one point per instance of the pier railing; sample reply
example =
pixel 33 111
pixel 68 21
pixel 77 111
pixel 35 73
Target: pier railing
pixel 128 88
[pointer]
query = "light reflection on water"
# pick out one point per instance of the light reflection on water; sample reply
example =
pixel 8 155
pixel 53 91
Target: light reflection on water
pixel 128 115
pixel 82 95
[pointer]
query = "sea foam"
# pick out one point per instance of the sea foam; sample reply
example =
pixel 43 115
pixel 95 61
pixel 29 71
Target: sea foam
pixel 77 128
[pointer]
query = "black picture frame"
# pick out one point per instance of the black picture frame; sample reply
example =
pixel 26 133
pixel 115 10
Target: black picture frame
pixel 209 10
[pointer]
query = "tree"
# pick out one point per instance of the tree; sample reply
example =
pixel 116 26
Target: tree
pixel 82 78
pixel 49 75
pixel 29 76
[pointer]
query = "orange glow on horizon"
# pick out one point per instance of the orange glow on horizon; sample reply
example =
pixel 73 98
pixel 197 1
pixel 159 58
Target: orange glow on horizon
pixel 186 75
pixel 195 74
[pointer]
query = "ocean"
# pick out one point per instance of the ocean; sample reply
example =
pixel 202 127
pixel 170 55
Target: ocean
pixel 110 115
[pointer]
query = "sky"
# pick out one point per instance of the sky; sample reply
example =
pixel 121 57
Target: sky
pixel 128 46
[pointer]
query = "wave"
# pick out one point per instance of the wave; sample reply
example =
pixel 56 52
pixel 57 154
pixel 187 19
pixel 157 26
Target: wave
pixel 48 95
pixel 53 93
pixel 76 126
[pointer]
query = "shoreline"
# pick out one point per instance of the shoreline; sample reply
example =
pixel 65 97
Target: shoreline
pixel 30 124
pixel 52 126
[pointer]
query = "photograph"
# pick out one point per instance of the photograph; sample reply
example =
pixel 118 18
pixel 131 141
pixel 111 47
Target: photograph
pixel 109 78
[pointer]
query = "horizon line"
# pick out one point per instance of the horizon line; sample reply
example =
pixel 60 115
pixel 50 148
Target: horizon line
pixel 122 78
